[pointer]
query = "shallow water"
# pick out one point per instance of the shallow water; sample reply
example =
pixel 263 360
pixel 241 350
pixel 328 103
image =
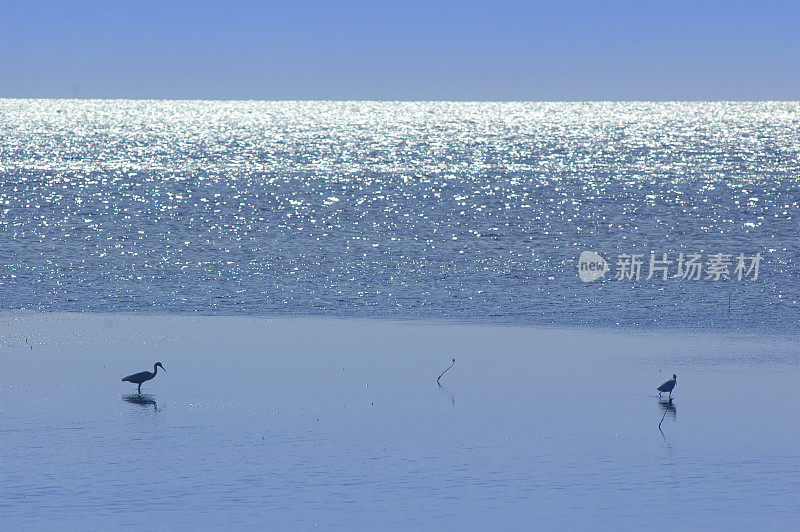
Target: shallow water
pixel 297 423
pixel 465 211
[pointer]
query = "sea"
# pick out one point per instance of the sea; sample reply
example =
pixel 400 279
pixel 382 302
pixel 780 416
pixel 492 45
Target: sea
pixel 474 212
pixel 399 315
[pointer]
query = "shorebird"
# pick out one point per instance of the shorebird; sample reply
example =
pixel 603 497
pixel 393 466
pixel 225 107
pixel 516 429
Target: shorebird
pixel 668 386
pixel 143 376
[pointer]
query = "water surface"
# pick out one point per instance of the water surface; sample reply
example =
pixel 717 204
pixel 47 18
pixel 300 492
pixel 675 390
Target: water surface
pixel 464 211
pixel 294 424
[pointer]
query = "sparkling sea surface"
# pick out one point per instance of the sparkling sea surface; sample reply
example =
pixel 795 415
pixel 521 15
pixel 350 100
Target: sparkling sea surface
pixel 458 211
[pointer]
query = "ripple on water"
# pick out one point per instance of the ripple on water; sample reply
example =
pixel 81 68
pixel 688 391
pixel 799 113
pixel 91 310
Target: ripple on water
pixel 473 211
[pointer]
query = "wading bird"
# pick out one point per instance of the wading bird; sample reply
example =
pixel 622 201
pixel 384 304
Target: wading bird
pixel 144 376
pixel 668 386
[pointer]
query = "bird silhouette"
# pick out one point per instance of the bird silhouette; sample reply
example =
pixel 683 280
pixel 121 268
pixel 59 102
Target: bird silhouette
pixel 668 386
pixel 143 376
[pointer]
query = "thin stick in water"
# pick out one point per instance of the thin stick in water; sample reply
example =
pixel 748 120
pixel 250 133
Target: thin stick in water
pixel 664 415
pixel 445 371
pixel 662 420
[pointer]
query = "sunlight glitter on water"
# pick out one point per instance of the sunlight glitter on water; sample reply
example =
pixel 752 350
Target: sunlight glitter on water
pixel 473 211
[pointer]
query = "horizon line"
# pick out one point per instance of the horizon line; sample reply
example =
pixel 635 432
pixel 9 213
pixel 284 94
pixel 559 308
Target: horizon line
pixel 323 100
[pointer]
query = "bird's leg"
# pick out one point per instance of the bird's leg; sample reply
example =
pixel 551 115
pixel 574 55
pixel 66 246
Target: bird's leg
pixel 659 395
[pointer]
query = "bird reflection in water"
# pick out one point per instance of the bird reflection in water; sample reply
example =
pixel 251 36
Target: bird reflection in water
pixel 144 400
pixel 667 406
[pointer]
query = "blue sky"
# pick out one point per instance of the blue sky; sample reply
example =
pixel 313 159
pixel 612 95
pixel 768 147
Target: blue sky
pixel 409 50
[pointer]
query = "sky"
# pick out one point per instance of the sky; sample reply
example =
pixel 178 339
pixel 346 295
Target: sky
pixel 409 50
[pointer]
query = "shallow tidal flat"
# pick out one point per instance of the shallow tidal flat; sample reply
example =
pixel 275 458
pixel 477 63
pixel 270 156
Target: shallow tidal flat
pixel 340 423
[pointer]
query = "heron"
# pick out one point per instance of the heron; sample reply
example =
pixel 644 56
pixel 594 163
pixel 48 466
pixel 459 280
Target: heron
pixel 668 386
pixel 143 376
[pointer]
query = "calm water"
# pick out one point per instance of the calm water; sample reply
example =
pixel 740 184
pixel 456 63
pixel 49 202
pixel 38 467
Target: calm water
pixel 467 211
pixel 290 424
